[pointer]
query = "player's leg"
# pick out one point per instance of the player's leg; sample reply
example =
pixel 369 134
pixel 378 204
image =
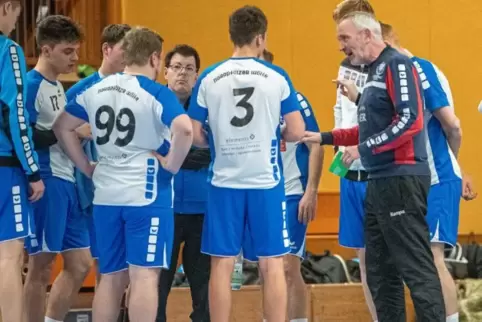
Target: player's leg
pixel 297 295
pixel 351 232
pixel 15 222
pixel 443 220
pixel 94 252
pixel 109 230
pixel 221 238
pixel 149 236
pixel 43 246
pixel 267 212
pixel 11 257
pixel 75 252
pixel 166 278
pixel 197 266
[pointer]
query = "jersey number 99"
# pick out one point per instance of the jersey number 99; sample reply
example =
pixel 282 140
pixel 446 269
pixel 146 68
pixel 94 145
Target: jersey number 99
pixel 247 92
pixel 113 120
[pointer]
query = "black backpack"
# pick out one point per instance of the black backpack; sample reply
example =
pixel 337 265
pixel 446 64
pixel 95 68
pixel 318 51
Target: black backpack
pixel 464 261
pixel 324 269
pixel 473 253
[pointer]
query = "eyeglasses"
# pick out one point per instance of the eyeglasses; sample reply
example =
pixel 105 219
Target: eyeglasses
pixel 178 68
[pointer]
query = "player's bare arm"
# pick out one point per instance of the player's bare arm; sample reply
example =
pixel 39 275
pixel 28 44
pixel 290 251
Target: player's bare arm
pixel 65 130
pixel 451 127
pixel 182 137
pixel 308 203
pixel 295 127
pixel 200 138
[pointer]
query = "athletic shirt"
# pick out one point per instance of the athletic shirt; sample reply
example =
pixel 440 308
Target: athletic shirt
pixel 346 112
pixel 130 116
pixel 296 156
pixel 45 101
pixel 243 100
pixel 437 94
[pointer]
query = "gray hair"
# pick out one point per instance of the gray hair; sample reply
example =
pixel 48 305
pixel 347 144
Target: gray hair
pixel 364 20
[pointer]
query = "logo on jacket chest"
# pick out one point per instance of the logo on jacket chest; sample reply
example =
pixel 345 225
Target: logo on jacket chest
pixel 379 72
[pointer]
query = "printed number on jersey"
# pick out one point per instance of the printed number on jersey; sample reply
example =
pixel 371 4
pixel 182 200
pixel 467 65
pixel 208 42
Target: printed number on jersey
pixel 124 122
pixel 246 94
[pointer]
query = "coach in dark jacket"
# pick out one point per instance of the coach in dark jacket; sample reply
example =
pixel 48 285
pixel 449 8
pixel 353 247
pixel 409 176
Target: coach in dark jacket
pixel 390 141
pixel 190 187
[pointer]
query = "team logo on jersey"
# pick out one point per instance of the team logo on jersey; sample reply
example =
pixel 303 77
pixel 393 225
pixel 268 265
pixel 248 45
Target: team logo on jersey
pixel 379 71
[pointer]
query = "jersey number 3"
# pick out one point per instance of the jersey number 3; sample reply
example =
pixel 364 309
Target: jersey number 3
pixel 247 92
pixel 112 121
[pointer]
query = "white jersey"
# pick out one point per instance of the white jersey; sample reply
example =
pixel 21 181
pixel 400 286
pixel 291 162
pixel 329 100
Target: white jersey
pixel 130 116
pixel 296 156
pixel 243 100
pixel 346 112
pixel 45 101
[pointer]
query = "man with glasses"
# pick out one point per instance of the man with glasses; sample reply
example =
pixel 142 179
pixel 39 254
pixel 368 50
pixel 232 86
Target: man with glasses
pixel 190 187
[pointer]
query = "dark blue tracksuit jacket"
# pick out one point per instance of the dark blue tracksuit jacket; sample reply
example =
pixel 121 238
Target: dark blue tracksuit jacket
pixel 390 134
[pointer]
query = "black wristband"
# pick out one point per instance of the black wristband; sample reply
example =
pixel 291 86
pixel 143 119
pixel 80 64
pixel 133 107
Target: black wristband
pixel 326 138
pixel 34 177
pixel 358 99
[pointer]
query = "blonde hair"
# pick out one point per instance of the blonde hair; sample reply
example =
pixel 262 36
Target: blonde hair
pixel 139 45
pixel 348 6
pixel 389 34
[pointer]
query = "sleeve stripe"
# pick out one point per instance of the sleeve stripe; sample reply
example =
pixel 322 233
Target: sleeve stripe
pixel 25 145
pixel 415 127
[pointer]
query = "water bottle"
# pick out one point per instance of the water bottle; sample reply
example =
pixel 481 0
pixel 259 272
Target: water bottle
pixel 237 277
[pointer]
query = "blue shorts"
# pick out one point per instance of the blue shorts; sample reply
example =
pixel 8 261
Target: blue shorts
pixel 129 235
pixel 443 212
pixel 352 213
pixel 16 218
pixel 231 211
pixel 90 226
pixel 296 231
pixel 60 224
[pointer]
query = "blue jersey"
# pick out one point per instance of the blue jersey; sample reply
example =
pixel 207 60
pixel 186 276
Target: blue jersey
pixel 45 101
pixel 85 186
pixel 15 132
pixel 130 116
pixel 296 156
pixel 443 164
pixel 243 100
pixel 82 85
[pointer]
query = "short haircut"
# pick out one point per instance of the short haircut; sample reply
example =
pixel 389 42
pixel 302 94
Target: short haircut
pixel 139 45
pixel 348 6
pixel 245 24
pixel 185 51
pixel 268 56
pixel 53 30
pixel 364 20
pixel 113 34
pixel 389 34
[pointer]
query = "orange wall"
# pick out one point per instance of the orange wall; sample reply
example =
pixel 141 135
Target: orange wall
pixel 302 36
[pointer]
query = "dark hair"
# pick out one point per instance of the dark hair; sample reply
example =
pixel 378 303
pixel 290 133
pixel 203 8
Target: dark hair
pixel 113 34
pixel 268 56
pixel 185 51
pixel 348 6
pixel 139 44
pixel 245 24
pixel 56 29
